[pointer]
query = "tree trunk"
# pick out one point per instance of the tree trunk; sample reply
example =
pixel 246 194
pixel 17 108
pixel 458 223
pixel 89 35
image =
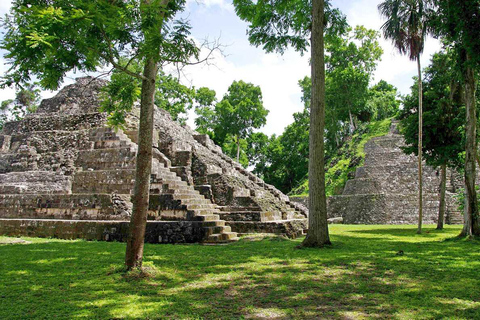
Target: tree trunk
pixel 352 123
pixel 442 205
pixel 471 224
pixel 420 144
pixel 317 220
pixel 138 221
pixel 238 149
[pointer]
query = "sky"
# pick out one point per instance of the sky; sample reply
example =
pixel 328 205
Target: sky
pixel 277 75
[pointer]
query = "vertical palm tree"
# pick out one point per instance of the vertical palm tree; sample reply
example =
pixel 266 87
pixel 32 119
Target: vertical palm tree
pixel 406 26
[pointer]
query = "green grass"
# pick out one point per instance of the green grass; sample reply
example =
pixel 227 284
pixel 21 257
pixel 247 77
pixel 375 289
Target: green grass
pixel 348 158
pixel 360 276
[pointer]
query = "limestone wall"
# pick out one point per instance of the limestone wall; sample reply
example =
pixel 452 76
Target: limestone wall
pixel 156 232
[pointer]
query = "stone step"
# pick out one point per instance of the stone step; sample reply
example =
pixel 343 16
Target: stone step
pixel 204 206
pixel 60 122
pixel 205 217
pixel 110 144
pixel 217 230
pixel 104 181
pixel 70 206
pixel 164 173
pixel 214 223
pixel 161 188
pixel 205 211
pixel 184 195
pixel 34 182
pixel 222 237
pixel 181 185
pixel 253 216
pixel 238 209
pixel 103 159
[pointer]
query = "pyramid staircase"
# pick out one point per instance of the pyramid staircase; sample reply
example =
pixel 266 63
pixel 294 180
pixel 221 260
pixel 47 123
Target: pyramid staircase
pixel 168 193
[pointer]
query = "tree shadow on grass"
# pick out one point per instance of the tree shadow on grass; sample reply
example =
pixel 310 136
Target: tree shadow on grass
pixel 357 277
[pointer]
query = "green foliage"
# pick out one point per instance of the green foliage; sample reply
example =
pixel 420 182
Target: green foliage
pixel 123 90
pixel 460 198
pixel 257 152
pixel 240 111
pixel 48 39
pixel 27 99
pixel 351 59
pixel 360 276
pixel 174 97
pixel 231 121
pixel 443 116
pixel 341 165
pixel 383 100
pixel 408 22
pixel 458 24
pixel 206 99
pixel 279 24
pixel 120 94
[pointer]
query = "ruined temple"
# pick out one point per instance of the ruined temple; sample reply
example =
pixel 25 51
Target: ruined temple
pixel 65 173
pixel 385 188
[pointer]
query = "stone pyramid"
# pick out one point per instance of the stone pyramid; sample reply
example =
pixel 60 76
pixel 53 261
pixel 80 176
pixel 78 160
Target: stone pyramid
pixel 385 189
pixel 65 173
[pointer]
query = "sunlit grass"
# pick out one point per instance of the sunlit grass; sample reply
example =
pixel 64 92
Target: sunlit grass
pixel 368 272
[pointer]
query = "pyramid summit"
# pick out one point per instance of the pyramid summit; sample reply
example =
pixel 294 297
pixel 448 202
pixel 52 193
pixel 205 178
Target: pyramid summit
pixel 65 173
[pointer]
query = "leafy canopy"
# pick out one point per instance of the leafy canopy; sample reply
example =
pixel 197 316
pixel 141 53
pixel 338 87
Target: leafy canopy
pixel 444 114
pixel 278 24
pixel 408 22
pixel 233 118
pixel 50 38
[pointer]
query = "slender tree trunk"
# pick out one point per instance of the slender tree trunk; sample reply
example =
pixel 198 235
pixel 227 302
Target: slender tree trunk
pixel 138 221
pixel 420 144
pixel 140 198
pixel 471 222
pixel 238 149
pixel 442 205
pixel 352 123
pixel 317 220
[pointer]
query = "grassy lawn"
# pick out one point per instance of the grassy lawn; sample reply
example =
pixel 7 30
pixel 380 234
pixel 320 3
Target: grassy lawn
pixel 362 275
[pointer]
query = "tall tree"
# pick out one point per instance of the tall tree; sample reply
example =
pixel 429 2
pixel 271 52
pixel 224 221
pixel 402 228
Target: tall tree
pixel 49 38
pixel 240 111
pixel 458 22
pixel 233 119
pixel 383 100
pixel 444 115
pixel 351 60
pixel 276 25
pixel 407 26
pixel 317 228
